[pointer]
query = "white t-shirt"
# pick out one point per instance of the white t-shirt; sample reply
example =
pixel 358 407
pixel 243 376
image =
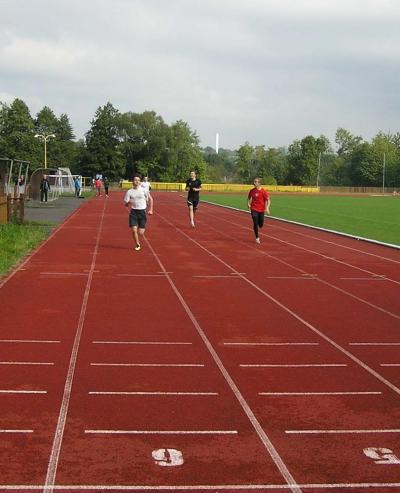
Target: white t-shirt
pixel 137 197
pixel 146 186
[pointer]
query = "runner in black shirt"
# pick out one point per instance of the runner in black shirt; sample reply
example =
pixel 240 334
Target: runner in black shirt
pixel 193 187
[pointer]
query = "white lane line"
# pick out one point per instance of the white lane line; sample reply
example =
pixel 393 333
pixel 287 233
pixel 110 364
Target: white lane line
pixel 45 273
pixel 322 365
pixel 140 275
pixel 27 341
pixel 163 432
pixel 145 343
pixel 318 432
pixel 303 278
pixel 215 488
pixel 216 277
pixel 269 446
pixel 153 393
pixel 318 393
pixel 375 278
pixel 271 343
pixel 29 363
pixel 374 343
pixel 157 365
pixel 389 364
pixel 23 391
pixel 16 431
pixel 62 417
pixel 340 348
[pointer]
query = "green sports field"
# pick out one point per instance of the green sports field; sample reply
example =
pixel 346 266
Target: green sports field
pixel 371 217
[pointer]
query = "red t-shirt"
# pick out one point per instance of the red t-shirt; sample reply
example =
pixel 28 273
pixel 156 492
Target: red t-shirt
pixel 258 199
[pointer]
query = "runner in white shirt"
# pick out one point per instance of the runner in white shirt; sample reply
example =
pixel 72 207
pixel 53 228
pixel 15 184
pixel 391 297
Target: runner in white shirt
pixel 146 184
pixel 137 198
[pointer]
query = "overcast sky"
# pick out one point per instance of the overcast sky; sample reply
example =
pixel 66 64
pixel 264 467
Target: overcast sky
pixel 265 71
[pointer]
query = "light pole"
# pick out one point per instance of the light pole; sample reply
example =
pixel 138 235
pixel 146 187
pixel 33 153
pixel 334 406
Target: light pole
pixel 45 138
pixel 383 173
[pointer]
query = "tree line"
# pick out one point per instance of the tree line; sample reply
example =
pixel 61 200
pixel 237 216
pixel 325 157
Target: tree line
pixel 120 144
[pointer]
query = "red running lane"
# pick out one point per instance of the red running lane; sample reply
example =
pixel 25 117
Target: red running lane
pixel 161 347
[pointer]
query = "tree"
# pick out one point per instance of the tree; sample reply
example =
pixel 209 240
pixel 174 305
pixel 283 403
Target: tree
pixel 102 153
pixel 244 162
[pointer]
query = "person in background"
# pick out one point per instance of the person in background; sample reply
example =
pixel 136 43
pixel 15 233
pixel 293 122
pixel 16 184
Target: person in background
pixel 146 184
pixel 78 186
pixel 44 188
pixel 258 202
pixel 98 186
pixel 106 185
pixel 193 187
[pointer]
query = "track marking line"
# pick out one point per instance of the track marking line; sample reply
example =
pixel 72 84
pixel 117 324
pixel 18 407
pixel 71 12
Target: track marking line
pixel 319 365
pixel 216 277
pixel 359 362
pixel 153 393
pixel 302 278
pixel 145 343
pixel 317 393
pixel 215 488
pixel 16 431
pixel 163 432
pixel 27 341
pixel 246 408
pixel 140 275
pixel 23 391
pixel 62 418
pixel 317 432
pixel 374 343
pixel 157 365
pixel 29 363
pixel 374 278
pixel 389 364
pixel 271 343
pixel 63 274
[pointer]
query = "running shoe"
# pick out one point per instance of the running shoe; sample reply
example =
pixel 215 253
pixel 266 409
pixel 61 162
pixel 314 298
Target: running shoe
pixel 137 247
pixel 258 240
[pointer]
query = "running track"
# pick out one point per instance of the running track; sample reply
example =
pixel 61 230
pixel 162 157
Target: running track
pixel 204 362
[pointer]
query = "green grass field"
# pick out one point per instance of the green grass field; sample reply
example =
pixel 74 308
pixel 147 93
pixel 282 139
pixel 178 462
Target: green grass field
pixel 16 240
pixel 376 218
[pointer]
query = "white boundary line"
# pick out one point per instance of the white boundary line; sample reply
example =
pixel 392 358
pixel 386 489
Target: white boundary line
pixel 153 393
pixel 62 418
pixel 319 365
pixel 389 364
pixel 27 341
pixel 363 365
pixel 145 343
pixel 162 432
pixel 347 235
pixel 215 488
pixel 146 365
pixel 16 431
pixel 289 394
pixel 29 363
pixel 246 408
pixel 271 343
pixel 23 391
pixel 374 343
pixel 339 432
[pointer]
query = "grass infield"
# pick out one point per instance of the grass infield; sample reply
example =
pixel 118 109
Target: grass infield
pixel 377 218
pixel 16 240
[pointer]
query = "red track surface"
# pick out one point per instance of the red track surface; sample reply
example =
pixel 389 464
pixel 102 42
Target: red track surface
pixel 272 367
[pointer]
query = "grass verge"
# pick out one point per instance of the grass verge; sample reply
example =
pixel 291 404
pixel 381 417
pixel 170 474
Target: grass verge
pixel 17 240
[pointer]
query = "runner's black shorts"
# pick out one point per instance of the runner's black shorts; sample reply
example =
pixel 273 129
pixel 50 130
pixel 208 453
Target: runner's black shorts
pixel 193 202
pixel 138 218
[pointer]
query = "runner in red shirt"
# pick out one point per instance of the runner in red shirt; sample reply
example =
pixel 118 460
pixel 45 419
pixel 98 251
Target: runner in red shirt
pixel 258 202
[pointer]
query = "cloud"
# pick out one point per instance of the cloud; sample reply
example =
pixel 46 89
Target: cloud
pixel 266 71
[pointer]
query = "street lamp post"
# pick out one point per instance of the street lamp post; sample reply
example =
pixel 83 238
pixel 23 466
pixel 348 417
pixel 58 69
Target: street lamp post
pixel 383 173
pixel 319 168
pixel 45 138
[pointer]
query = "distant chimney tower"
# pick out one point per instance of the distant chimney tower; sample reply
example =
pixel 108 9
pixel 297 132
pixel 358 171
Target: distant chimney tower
pixel 216 142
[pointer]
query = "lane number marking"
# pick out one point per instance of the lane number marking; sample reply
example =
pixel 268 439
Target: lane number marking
pixel 167 457
pixel 381 455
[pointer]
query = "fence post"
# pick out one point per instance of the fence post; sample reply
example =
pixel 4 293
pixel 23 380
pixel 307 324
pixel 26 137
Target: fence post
pixel 21 208
pixel 9 206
